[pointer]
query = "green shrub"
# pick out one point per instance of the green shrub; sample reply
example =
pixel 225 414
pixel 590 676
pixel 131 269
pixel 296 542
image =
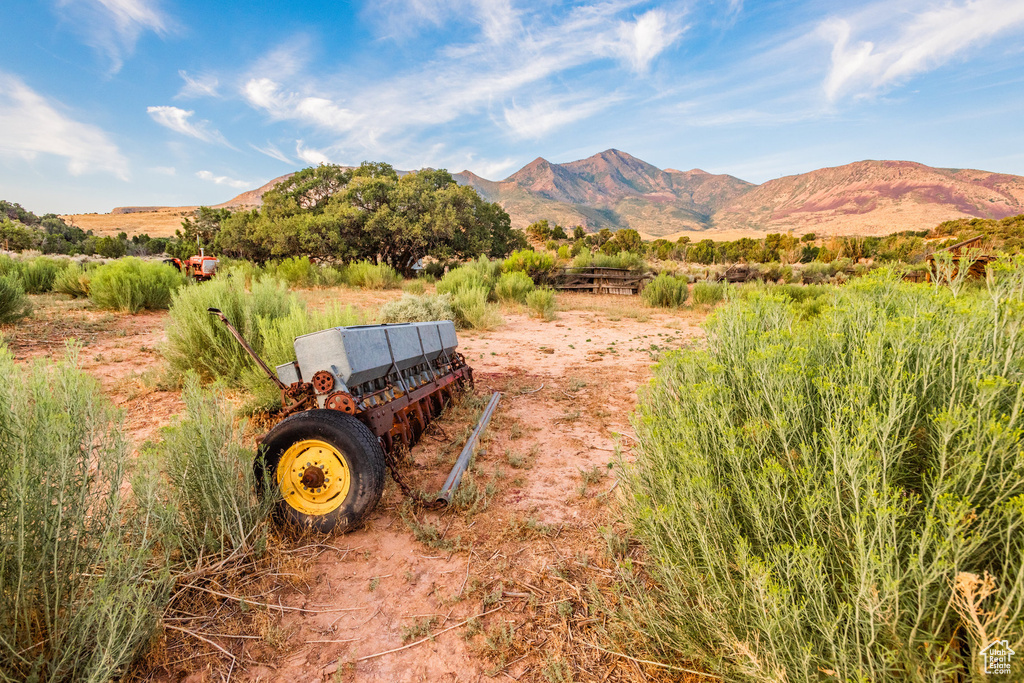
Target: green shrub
pixel 14 305
pixel 774 272
pixel 331 276
pixel 538 265
pixel 373 276
pixel 708 292
pixel 414 287
pixel 210 504
pixel 541 303
pixel 38 274
pixel 412 309
pixel 78 597
pixel 129 285
pixel 472 309
pixel 838 495
pixel 73 281
pixel 666 291
pixel 513 287
pixel 623 259
pixel 298 271
pixel 199 342
pixel 463 278
pixel 816 272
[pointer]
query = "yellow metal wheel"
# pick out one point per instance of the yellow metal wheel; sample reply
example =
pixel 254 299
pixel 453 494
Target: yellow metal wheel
pixel 314 477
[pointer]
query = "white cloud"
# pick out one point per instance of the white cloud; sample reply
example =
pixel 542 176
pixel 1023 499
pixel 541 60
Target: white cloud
pixel 114 26
pixel 309 155
pixel 273 152
pixel 642 40
pixel 198 86
pixel 546 115
pixel 30 125
pixel 164 170
pixel 923 40
pixel 179 121
pixel 224 180
pixel 512 53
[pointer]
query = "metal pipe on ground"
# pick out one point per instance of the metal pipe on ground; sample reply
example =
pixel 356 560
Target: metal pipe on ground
pixel 452 483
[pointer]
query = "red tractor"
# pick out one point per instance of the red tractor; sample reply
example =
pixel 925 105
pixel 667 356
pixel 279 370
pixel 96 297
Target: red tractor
pixel 200 267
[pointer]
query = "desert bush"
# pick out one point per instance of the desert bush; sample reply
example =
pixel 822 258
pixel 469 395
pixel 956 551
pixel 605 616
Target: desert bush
pixel 480 273
pixel 541 303
pixel 413 308
pixel 373 275
pixel 774 272
pixel 708 292
pixel 38 274
pixel 210 505
pixel 78 597
pixel 538 265
pixel 414 287
pixel 14 305
pixel 666 291
pixel 130 284
pixel 623 259
pixel 332 276
pixel 838 495
pixel 73 281
pixel 199 342
pixel 472 310
pixel 513 287
pixel 298 271
pixel 816 272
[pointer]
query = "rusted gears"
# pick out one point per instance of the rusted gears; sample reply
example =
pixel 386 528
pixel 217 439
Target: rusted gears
pixel 323 382
pixel 339 400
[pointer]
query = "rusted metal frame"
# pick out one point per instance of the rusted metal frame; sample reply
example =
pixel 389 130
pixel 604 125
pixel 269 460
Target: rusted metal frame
pixel 377 418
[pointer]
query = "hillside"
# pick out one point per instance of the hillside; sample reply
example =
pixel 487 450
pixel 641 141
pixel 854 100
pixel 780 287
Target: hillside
pixel 872 197
pixel 611 190
pixel 616 190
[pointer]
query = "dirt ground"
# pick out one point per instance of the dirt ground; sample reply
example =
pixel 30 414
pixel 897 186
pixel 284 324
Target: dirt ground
pixel 509 582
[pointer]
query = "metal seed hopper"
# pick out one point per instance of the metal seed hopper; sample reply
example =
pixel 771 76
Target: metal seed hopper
pixel 355 397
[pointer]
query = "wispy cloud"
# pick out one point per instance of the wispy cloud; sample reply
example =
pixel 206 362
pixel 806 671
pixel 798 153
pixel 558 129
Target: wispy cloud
pixel 31 125
pixel 910 42
pixel 224 180
pixel 114 26
pixel 203 85
pixel 510 53
pixel 311 156
pixel 273 152
pixel 179 120
pixel 548 114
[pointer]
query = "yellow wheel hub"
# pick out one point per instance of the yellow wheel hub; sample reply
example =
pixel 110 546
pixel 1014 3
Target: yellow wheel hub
pixel 314 477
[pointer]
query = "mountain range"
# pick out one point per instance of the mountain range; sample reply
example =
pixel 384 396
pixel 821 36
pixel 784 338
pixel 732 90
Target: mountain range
pixel 616 190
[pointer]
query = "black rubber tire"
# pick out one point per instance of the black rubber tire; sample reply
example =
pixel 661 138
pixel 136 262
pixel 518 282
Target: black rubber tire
pixel 357 444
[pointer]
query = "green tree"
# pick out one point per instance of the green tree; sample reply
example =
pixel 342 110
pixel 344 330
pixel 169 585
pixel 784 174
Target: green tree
pixel 578 232
pixel 539 231
pixel 558 233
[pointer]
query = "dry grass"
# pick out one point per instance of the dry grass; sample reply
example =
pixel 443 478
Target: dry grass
pixel 161 223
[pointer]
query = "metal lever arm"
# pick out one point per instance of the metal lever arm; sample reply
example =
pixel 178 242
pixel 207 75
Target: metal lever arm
pixel 248 349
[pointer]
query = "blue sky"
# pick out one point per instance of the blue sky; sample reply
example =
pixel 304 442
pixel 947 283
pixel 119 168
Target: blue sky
pixel 174 102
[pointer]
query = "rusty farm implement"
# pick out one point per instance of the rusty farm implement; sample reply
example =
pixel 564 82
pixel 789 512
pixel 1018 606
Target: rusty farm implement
pixel 356 397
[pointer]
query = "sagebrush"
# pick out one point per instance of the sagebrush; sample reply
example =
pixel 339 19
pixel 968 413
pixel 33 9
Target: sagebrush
pixel 130 285
pixel 840 494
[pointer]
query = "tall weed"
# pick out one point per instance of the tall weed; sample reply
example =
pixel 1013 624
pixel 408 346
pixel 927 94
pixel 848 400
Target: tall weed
pixel 842 494
pixel 541 303
pixel 14 305
pixel 79 597
pixel 130 284
pixel 373 276
pixel 73 281
pixel 199 342
pixel 706 293
pixel 513 287
pixel 423 308
pixel 666 291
